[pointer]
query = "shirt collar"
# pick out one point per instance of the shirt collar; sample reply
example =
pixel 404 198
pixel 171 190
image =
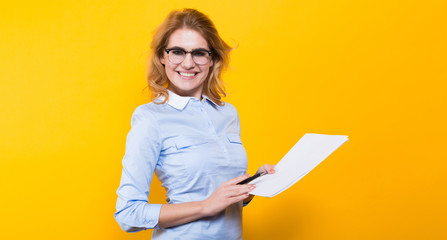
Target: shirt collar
pixel 180 102
pixel 209 99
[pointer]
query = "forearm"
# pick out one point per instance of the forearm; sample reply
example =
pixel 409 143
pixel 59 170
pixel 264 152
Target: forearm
pixel 226 194
pixel 180 213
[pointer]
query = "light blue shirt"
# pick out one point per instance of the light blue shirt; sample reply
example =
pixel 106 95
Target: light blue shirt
pixel 192 146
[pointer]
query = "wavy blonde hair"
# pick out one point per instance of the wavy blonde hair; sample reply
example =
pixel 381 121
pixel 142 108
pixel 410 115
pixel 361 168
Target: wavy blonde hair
pixel 220 53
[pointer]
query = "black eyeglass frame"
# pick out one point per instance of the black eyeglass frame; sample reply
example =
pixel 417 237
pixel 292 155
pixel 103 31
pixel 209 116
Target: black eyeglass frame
pixel 167 50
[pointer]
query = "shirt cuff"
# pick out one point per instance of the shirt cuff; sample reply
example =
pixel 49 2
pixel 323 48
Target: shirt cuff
pixel 154 215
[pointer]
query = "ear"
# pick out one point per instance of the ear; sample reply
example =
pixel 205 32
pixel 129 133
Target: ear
pixel 162 59
pixel 211 63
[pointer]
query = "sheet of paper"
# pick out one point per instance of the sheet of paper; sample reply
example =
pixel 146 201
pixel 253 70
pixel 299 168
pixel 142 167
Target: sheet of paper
pixel 307 153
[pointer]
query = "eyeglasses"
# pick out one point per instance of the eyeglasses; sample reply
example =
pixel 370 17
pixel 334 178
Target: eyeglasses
pixel 199 56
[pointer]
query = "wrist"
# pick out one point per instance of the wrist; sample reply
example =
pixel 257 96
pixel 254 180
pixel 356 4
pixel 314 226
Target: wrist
pixel 247 200
pixel 203 209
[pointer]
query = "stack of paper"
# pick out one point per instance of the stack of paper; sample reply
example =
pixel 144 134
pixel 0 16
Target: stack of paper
pixel 307 153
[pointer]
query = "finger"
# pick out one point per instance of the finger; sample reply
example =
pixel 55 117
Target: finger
pixel 236 190
pixel 271 169
pixel 239 198
pixel 267 168
pixel 237 179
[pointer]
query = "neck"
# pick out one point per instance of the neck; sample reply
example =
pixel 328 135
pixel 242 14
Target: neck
pixel 197 94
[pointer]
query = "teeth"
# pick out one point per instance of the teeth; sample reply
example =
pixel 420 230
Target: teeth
pixel 187 74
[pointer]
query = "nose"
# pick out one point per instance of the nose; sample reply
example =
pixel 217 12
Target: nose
pixel 188 62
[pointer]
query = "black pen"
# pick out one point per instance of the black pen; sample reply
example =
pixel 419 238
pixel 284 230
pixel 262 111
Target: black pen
pixel 252 178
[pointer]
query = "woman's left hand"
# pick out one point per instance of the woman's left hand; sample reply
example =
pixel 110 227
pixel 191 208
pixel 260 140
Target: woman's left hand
pixel 270 169
pixel 264 168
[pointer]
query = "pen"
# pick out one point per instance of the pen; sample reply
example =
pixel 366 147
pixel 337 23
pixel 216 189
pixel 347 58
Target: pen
pixel 252 178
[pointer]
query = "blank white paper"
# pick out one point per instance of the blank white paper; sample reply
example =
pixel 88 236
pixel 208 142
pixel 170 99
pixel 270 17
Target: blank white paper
pixel 307 153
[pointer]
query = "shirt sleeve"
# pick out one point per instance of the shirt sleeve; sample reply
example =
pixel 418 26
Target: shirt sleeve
pixel 143 146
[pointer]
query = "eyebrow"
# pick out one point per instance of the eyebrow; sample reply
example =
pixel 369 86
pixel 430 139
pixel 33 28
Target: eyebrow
pixel 194 49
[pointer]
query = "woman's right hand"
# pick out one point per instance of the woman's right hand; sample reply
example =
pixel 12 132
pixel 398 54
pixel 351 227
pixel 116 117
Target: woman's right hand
pixel 226 194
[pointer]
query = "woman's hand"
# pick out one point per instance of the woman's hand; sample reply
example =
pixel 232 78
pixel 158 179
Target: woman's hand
pixel 267 168
pixel 226 194
pixel 264 168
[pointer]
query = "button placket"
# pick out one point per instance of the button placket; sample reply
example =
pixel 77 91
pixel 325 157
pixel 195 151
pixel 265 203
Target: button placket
pixel 213 133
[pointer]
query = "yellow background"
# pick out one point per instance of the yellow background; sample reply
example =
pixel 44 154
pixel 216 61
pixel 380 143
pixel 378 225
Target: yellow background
pixel 72 72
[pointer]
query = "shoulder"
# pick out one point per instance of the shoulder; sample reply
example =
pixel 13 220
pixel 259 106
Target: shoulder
pixel 146 113
pixel 230 108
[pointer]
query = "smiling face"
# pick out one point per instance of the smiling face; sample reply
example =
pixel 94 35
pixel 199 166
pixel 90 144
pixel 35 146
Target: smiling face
pixel 186 78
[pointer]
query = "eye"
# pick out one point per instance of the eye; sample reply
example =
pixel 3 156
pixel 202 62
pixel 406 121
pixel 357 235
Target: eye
pixel 177 52
pixel 199 53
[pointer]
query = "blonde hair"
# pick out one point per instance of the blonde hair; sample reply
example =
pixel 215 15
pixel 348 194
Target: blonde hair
pixel 197 21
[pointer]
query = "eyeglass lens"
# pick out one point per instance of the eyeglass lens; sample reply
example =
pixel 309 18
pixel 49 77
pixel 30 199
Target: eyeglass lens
pixel 177 56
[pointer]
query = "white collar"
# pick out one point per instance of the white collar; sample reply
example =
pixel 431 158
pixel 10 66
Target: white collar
pixel 180 102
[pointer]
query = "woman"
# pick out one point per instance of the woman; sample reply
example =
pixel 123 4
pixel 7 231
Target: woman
pixel 188 137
